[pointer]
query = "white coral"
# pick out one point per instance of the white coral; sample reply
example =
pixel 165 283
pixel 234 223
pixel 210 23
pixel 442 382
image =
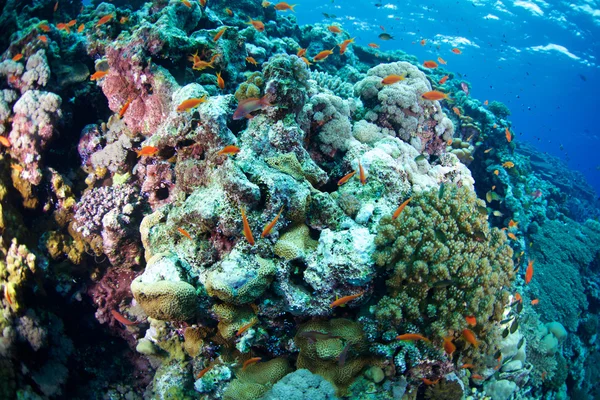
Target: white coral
pixel 37 71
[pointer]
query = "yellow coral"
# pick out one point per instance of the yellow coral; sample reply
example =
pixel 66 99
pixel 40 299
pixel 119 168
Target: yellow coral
pixel 231 318
pixel 253 382
pixel 295 243
pixel 165 300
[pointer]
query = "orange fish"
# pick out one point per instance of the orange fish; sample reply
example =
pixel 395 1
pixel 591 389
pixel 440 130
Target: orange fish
pixel 219 34
pixel 412 337
pixel 184 233
pixel 477 376
pixel 430 64
pixel 512 224
pixel 470 337
pixel 71 23
pixel 487 151
pixel 4 141
pixel 361 173
pixel 512 236
pixel 346 178
pixel 121 318
pixel 443 80
pixel 220 81
pixel 518 297
pixel 464 366
pixel 283 6
pixel 246 327
pixel 456 51
pixel 189 104
pixel 429 382
pixel 55 6
pixel 199 64
pixel 203 3
pixel 496 172
pixel 251 60
pixel 62 26
pixel 449 347
pixel 186 3
pixel 247 231
pixel 17 57
pixel 98 75
pixel 423 42
pixel 334 29
pixel 400 208
pixel 229 12
pixel 344 45
pixel 248 106
pixel 343 300
pixel 442 61
pixel 373 45
pixel 306 61
pixel 508 135
pixel 471 320
pixel 43 38
pixel 147 151
pixel 123 20
pixel 123 109
pixel 485 103
pixel 457 112
pixel 391 79
pixel 434 95
pixel 258 25
pixel 203 372
pixel 449 142
pixel 301 52
pixel 529 272
pixel 104 19
pixel 265 4
pixel 323 55
pixel 271 224
pixel 228 150
pixel 80 28
pixel 7 295
pixel 44 27
pixel 508 164
pixel 251 361
pixel 535 301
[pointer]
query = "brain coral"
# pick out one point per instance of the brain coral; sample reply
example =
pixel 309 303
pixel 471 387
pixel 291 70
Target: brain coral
pixel 445 263
pixel 400 107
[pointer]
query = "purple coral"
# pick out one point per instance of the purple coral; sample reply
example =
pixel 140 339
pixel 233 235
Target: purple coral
pixel 110 215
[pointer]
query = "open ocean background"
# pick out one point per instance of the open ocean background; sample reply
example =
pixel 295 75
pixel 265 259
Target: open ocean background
pixel 539 58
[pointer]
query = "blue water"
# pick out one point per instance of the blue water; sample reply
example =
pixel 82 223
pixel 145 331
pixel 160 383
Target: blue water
pixel 537 57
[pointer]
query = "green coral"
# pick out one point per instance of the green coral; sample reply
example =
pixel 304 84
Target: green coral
pixel 295 243
pixel 321 355
pixel 232 318
pixel 250 88
pixel 445 262
pixel 254 381
pixel 499 109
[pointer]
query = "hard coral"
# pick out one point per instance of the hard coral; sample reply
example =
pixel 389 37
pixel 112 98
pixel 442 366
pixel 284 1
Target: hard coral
pixel 400 107
pixel 324 356
pixel 445 261
pixel 253 382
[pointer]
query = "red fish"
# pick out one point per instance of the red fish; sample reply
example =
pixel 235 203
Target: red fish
pixel 147 151
pixel 449 347
pixel 220 81
pixel 98 75
pixel 258 25
pixel 17 57
pixel 322 55
pixel 346 178
pixel 535 302
pixel 343 300
pixel 373 45
pixel 184 233
pixel 442 61
pixel 401 208
pixel 188 104
pixel 434 95
pixel 247 230
pixel 251 361
pixel 361 173
pixel 430 64
pixel 123 109
pixel 250 105
pixel 508 135
pixel 456 51
pixel 104 19
pixel 219 34
pixel 443 80
pixel 470 337
pixel 283 6
pixel 228 150
pixel 412 337
pixel 121 318
pixel 271 224
pixel 391 79
pixel 471 320
pixel 344 45
pixel 246 327
pixel 529 272
pixel 334 29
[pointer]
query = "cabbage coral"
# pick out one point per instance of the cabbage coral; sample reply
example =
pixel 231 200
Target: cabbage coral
pixel 445 263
